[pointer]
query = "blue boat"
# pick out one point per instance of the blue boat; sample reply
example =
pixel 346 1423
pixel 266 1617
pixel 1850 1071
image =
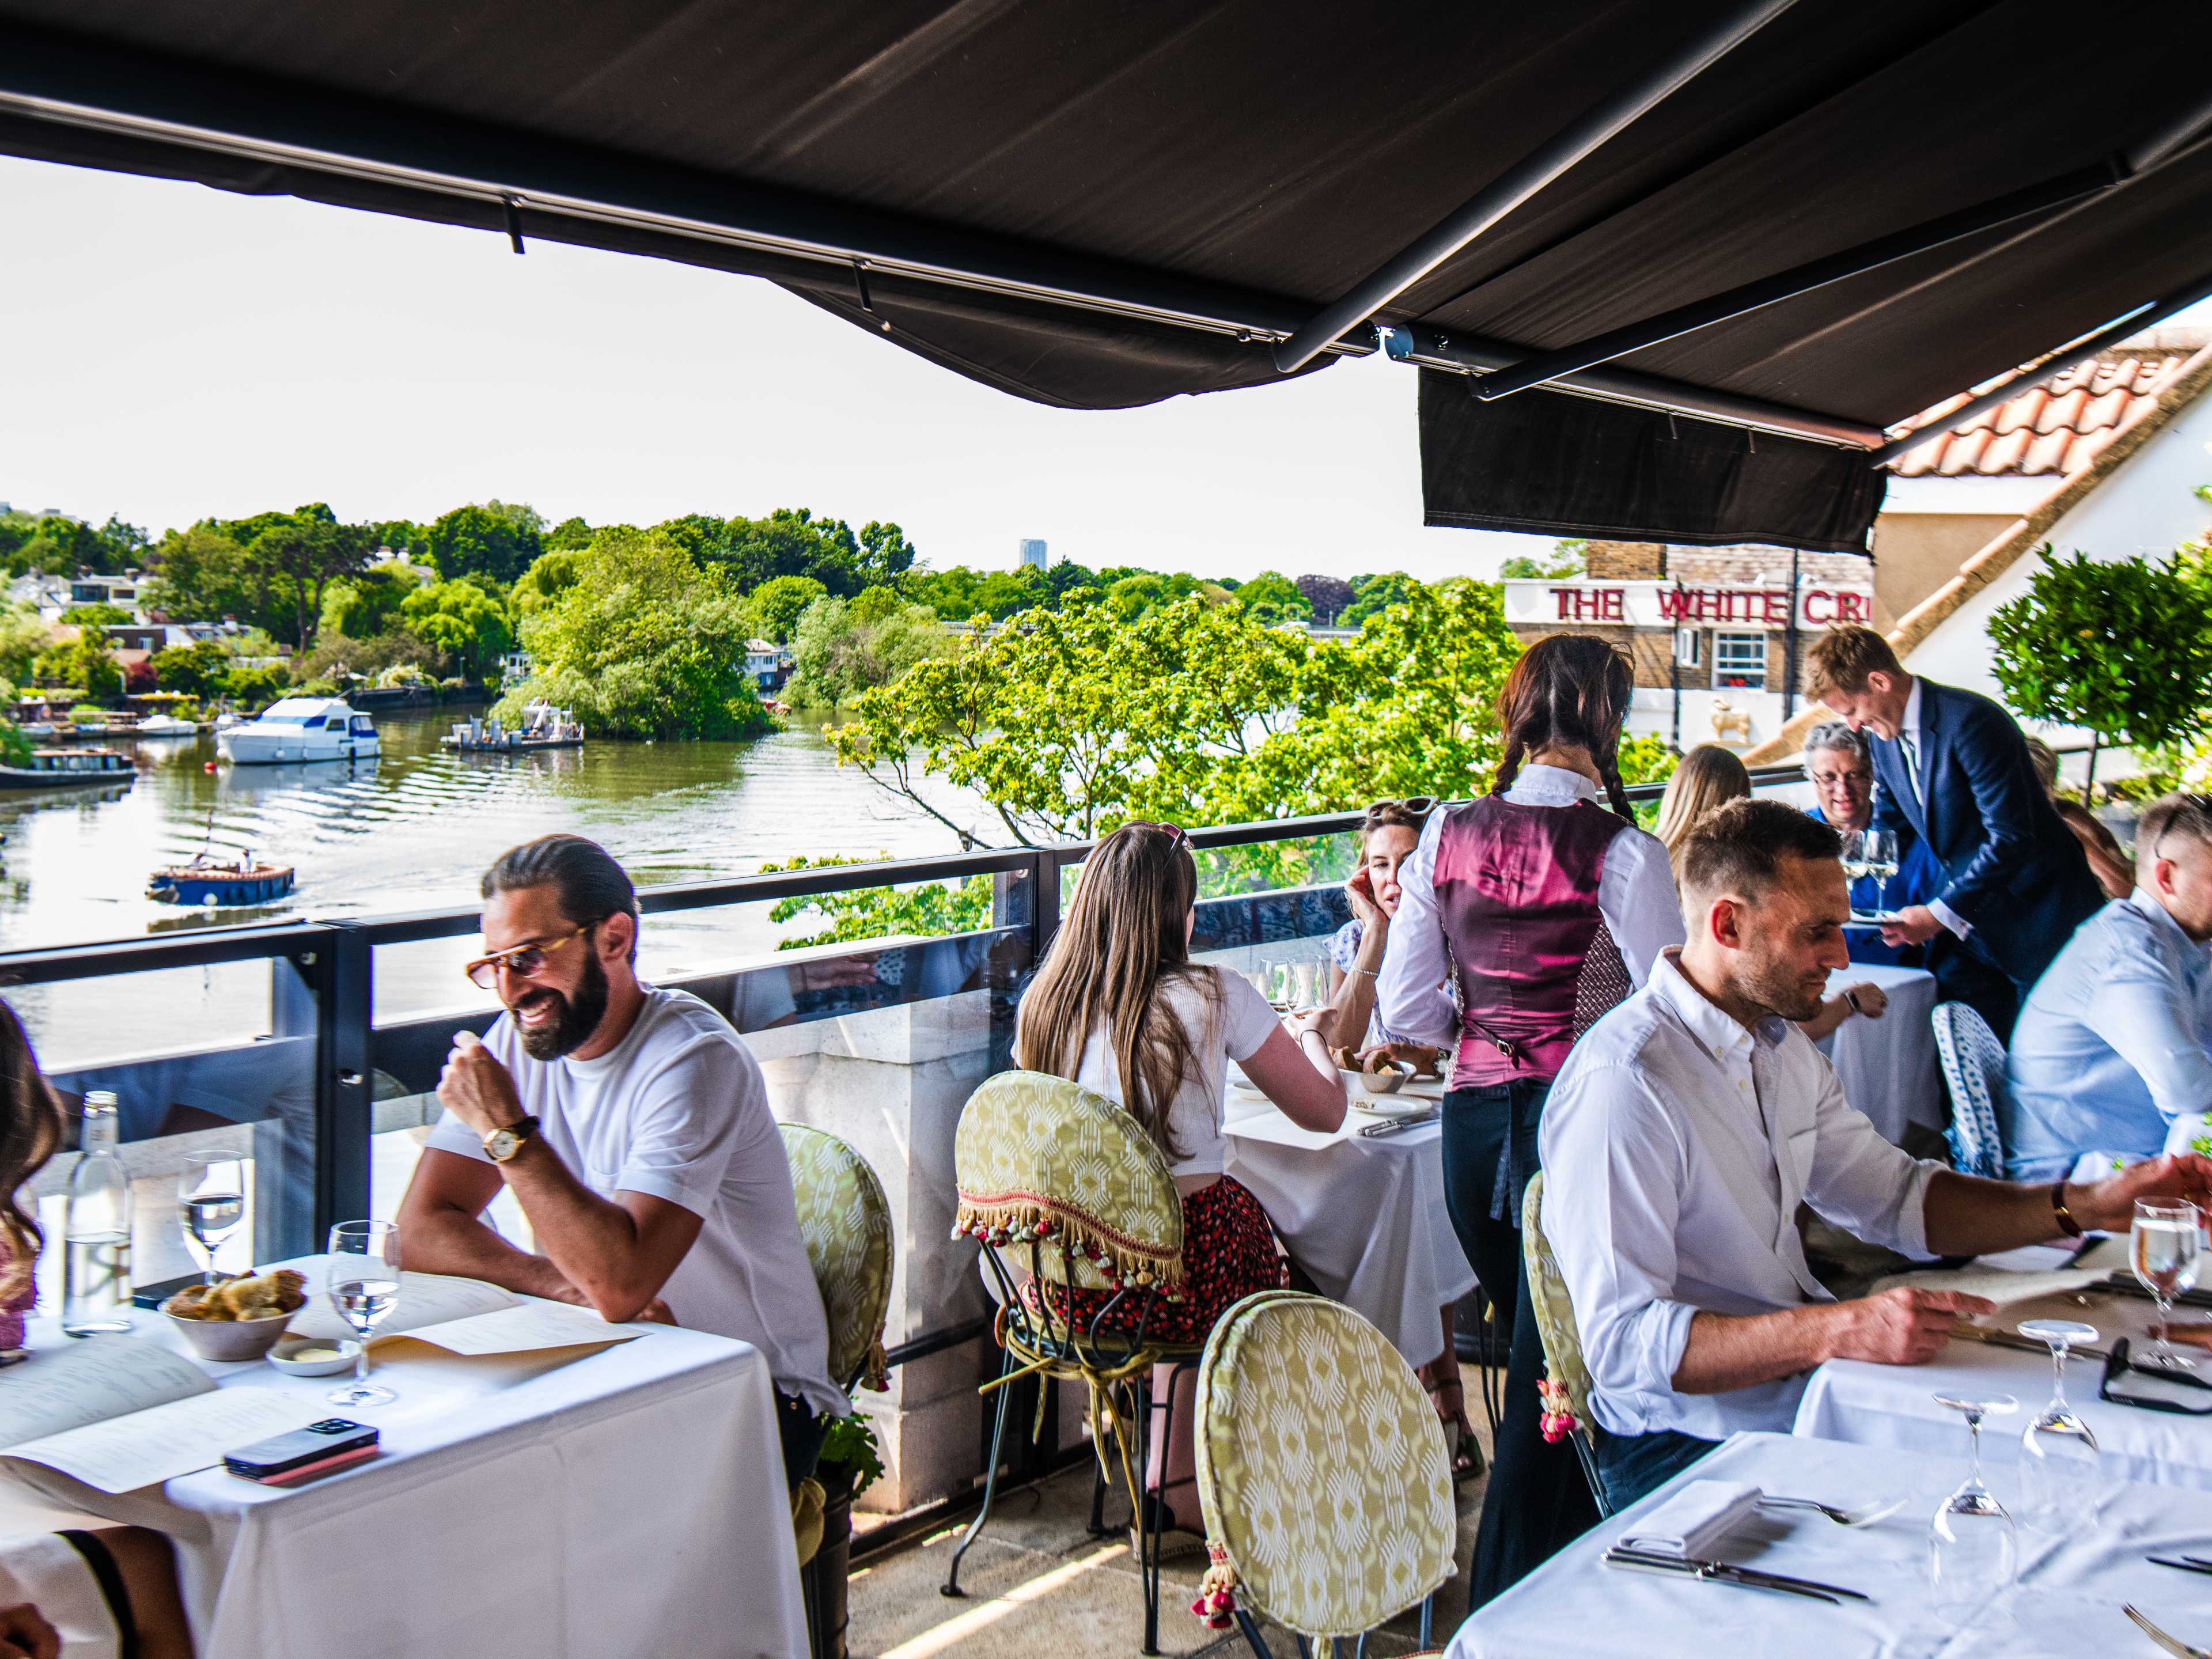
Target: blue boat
pixel 209 882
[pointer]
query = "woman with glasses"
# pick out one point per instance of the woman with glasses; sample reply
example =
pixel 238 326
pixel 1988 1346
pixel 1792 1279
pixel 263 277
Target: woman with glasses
pixel 1119 1006
pixel 1545 910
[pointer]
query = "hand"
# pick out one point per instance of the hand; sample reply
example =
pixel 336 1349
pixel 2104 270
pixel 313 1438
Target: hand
pixel 25 1634
pixel 1301 1026
pixel 476 1088
pixel 654 1312
pixel 2109 1205
pixel 1916 924
pixel 1873 1000
pixel 1421 1056
pixel 1360 889
pixel 1902 1326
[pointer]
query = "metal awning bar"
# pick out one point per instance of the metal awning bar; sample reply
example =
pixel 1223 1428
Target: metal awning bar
pixel 1508 192
pixel 1972 411
pixel 56 78
pixel 1433 347
pixel 1932 234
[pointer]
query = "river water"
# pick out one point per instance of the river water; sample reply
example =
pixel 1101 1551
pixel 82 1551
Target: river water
pixel 414 831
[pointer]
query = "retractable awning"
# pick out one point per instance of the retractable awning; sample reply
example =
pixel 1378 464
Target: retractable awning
pixel 1718 247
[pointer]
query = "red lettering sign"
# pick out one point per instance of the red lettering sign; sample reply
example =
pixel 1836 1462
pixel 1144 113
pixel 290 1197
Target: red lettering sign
pixel 1674 605
pixel 1821 598
pixel 1851 607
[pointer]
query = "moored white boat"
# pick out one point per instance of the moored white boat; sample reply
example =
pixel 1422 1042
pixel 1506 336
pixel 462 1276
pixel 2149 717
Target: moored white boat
pixel 166 725
pixel 295 729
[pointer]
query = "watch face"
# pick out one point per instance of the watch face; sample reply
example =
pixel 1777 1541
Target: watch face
pixel 503 1144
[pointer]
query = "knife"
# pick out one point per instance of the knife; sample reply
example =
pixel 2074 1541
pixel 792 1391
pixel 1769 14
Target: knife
pixel 2186 1562
pixel 2180 1650
pixel 1397 1125
pixel 2126 1286
pixel 2012 1339
pixel 1721 1572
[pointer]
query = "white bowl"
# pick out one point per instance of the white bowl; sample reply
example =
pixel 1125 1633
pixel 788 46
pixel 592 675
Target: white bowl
pixel 231 1341
pixel 285 1356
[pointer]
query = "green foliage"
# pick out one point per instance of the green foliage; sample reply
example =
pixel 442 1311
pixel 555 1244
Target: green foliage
pixel 843 647
pixel 96 616
pixel 646 644
pixel 1647 760
pixel 198 670
pixel 792 542
pixel 1273 598
pixel 552 576
pixel 851 1441
pixel 16 749
pixel 23 635
pixel 462 621
pixel 1567 558
pixel 85 661
pixel 777 603
pixel 252 688
pixel 490 538
pixel 568 534
pixel 929 910
pixel 1373 594
pixel 364 606
pixel 272 571
pixel 2123 649
pixel 203 576
pixel 59 546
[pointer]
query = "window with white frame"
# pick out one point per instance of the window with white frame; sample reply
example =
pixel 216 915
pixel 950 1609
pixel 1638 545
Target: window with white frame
pixel 1740 661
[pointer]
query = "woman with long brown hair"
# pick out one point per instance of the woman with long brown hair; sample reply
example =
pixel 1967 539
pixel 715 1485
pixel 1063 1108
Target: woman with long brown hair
pixel 102 1594
pixel 1706 777
pixel 1119 1006
pixel 1545 910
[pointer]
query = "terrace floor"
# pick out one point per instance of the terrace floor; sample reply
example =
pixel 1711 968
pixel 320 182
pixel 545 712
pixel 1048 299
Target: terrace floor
pixel 1041 1587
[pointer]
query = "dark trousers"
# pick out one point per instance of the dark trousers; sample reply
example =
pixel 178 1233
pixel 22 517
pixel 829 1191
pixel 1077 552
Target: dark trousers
pixel 1634 1465
pixel 802 1431
pixel 1964 975
pixel 1537 1501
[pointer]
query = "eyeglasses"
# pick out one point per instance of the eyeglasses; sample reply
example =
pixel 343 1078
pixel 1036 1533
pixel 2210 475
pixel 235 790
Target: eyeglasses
pixel 524 961
pixel 1178 837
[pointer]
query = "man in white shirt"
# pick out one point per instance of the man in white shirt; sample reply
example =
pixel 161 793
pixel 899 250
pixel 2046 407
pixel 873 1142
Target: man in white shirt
pixel 1690 1122
pixel 633 1127
pixel 2114 1044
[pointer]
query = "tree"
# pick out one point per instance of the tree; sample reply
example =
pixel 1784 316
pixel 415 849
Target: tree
pixel 23 635
pixel 2123 649
pixel 843 647
pixel 930 909
pixel 777 603
pixel 553 574
pixel 1567 558
pixel 1372 594
pixel 203 574
pixel 646 644
pixel 1272 597
pixel 363 606
pixel 491 538
pixel 1328 596
pixel 460 619
pixel 96 616
pixel 567 534
pixel 302 553
pixel 84 662
pixel 198 670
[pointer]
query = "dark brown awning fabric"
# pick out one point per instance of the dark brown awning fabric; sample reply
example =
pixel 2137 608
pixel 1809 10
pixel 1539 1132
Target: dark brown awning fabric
pixel 1100 207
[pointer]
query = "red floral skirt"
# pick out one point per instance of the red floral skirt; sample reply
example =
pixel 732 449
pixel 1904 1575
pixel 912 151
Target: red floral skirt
pixel 1228 1253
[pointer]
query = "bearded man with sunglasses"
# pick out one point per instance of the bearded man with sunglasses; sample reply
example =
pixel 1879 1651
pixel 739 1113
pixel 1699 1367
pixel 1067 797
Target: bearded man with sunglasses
pixel 633 1127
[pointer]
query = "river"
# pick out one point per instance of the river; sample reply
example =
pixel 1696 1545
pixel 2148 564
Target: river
pixel 414 831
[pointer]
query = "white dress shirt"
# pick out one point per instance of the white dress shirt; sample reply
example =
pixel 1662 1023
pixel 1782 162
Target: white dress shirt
pixel 2111 1046
pixel 1908 732
pixel 1635 895
pixel 1677 1145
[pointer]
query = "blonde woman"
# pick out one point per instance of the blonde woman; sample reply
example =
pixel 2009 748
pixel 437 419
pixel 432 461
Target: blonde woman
pixel 1709 777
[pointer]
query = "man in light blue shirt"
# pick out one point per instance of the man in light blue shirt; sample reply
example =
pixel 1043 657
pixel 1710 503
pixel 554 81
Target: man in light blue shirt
pixel 2115 1041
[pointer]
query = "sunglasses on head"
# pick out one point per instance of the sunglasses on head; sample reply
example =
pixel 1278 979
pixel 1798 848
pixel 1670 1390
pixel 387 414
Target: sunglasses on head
pixel 1419 805
pixel 1178 837
pixel 524 961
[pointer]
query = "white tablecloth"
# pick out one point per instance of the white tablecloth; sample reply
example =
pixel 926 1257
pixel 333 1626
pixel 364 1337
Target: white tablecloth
pixel 1364 1216
pixel 629 1501
pixel 2065 1605
pixel 1894 1405
pixel 1888 1066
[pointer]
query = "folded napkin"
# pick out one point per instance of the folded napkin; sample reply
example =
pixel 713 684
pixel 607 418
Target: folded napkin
pixel 1695 1519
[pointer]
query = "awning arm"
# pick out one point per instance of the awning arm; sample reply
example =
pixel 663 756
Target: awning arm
pixel 1801 279
pixel 1972 411
pixel 1520 182
pixel 1429 347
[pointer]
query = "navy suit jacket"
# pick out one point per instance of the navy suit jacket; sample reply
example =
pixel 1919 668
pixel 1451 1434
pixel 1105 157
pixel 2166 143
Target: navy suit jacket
pixel 2011 868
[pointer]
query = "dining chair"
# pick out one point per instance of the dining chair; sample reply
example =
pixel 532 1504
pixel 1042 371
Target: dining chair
pixel 1064 1190
pixel 1974 1071
pixel 1323 1473
pixel 1566 1386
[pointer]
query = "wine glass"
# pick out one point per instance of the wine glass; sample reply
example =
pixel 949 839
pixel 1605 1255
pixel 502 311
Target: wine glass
pixel 2057 1453
pixel 1275 978
pixel 1972 1551
pixel 1874 851
pixel 210 1203
pixel 1302 994
pixel 364 1288
pixel 2164 1249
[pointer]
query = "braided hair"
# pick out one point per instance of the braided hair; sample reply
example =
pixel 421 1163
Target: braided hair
pixel 1571 690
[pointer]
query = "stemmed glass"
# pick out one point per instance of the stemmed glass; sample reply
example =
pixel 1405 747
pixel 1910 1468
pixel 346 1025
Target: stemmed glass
pixel 1302 992
pixel 1972 1551
pixel 1875 853
pixel 2057 1453
pixel 2167 1240
pixel 364 1288
pixel 210 1203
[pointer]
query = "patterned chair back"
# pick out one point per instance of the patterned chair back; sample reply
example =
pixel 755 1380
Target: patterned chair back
pixel 1321 1469
pixel 1974 1069
pixel 846 1224
pixel 1042 1161
pixel 1567 1378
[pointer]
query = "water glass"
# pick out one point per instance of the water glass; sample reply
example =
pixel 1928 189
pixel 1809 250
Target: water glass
pixel 2164 1249
pixel 1275 981
pixel 1973 1550
pixel 1303 993
pixel 364 1288
pixel 210 1204
pixel 2057 1453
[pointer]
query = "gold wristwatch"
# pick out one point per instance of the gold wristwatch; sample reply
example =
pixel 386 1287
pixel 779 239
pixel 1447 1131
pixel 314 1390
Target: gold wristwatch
pixel 501 1145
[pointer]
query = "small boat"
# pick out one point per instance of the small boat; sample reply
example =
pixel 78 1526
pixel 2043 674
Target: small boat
pixel 210 881
pixel 293 729
pixel 166 725
pixel 543 726
pixel 68 769
pixel 40 731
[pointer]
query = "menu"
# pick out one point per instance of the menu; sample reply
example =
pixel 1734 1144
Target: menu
pixel 468 1316
pixel 118 1413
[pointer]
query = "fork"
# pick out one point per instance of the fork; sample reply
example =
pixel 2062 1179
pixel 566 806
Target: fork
pixel 1865 1517
pixel 2174 1645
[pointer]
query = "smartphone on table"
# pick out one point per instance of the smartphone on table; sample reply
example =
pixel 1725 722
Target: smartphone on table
pixel 334 1444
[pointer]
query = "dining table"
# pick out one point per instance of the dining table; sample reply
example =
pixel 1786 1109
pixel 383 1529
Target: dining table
pixel 2065 1600
pixel 1362 1214
pixel 625 1497
pixel 1888 1066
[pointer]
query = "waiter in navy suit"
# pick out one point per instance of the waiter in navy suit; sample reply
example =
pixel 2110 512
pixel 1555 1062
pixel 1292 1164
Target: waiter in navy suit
pixel 1952 767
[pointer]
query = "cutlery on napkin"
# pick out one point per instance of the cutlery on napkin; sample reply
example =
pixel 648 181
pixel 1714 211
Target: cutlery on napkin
pixel 1694 1520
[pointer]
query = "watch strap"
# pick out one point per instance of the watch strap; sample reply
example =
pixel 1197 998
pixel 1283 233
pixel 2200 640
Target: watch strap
pixel 2067 1224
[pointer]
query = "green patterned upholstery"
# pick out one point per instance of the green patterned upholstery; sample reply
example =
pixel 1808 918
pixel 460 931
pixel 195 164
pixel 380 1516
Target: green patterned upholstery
pixel 1555 1314
pixel 1041 1156
pixel 847 1225
pixel 1321 1469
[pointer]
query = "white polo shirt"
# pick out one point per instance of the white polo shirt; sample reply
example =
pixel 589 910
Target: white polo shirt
pixel 677 1110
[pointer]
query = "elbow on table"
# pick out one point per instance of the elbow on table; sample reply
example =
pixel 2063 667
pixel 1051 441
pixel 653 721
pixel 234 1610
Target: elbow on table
pixel 618 1303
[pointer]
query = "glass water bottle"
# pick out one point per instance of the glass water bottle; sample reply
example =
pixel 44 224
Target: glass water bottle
pixel 96 1228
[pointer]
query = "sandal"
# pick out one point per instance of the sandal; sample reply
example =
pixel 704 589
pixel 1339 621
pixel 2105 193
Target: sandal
pixel 1465 1451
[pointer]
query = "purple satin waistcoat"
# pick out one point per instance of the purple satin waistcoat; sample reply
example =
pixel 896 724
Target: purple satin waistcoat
pixel 1535 965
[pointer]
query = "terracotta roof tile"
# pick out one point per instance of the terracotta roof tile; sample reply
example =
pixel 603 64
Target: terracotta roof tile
pixel 2072 416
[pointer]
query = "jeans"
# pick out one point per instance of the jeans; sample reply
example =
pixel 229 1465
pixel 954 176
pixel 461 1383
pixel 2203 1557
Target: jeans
pixel 802 1431
pixel 1632 1466
pixel 1537 1501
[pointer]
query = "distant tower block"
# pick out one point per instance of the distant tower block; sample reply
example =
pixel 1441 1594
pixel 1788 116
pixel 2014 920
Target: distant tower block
pixel 1033 552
